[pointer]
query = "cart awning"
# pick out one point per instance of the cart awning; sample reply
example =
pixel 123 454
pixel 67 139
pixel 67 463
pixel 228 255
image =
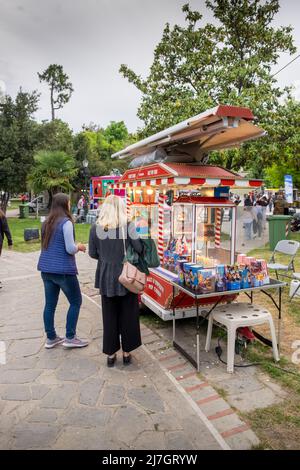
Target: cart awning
pixel 174 174
pixel 217 128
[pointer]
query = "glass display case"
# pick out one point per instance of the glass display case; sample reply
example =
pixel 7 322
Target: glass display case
pixel 145 217
pixel 201 234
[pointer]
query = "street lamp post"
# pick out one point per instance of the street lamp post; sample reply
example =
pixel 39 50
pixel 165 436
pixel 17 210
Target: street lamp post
pixel 85 165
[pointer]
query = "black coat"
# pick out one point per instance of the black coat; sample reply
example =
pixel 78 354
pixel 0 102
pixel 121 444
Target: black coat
pixel 4 230
pixel 109 252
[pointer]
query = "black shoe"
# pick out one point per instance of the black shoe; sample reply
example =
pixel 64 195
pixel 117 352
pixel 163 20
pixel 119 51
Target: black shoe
pixel 127 359
pixel 111 361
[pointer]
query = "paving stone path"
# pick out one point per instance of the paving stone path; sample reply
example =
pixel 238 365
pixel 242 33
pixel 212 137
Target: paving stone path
pixel 69 399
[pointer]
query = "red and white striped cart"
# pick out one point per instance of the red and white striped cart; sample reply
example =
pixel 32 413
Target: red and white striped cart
pixel 183 203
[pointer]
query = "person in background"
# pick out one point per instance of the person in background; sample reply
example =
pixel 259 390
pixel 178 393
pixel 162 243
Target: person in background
pixel 262 202
pixel 4 231
pixel 59 271
pixel 80 204
pixel 280 205
pixel 271 202
pixel 248 217
pixel 120 308
pixel 258 220
pixel 247 200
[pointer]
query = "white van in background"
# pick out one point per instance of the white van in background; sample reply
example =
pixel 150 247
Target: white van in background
pixel 39 203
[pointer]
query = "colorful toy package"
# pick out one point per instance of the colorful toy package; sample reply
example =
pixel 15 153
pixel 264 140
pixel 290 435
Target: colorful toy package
pixel 248 272
pixel 206 281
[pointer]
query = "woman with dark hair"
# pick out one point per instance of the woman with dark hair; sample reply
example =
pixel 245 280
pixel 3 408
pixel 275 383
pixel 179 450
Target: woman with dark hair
pixel 59 271
pixel 4 230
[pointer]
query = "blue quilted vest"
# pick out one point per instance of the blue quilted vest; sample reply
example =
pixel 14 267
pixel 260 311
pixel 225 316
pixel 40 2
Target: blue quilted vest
pixel 55 259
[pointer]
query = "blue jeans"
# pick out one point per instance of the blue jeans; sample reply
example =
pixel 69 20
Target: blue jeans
pixel 69 284
pixel 248 230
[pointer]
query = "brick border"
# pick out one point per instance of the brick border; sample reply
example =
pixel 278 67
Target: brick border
pixel 236 431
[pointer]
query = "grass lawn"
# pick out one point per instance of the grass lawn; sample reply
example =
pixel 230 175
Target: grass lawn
pixel 17 227
pixel 14 204
pixel 278 426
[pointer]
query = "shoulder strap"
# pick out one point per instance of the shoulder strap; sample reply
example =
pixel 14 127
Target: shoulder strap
pixel 124 244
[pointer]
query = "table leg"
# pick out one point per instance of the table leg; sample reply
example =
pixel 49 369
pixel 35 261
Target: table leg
pixel 174 326
pixel 198 337
pixel 279 318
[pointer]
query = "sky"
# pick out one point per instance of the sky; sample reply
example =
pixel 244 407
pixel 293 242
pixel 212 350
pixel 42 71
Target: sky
pixel 91 38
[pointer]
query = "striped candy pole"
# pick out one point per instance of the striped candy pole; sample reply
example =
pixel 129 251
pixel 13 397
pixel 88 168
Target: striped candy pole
pixel 287 230
pixel 218 228
pixel 160 244
pixel 128 203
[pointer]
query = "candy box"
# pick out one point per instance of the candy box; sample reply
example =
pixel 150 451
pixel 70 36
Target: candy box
pixel 248 260
pixel 187 266
pixel 256 266
pixel 241 258
pixel 181 278
pixel 206 281
pixel 179 264
pixel 254 281
pixel 195 268
pixel 221 270
pixel 233 285
pixel 245 284
pixel 220 285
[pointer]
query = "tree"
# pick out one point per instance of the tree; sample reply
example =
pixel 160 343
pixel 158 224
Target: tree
pixel 17 142
pixel 96 145
pixel 196 67
pixel 55 135
pixel 61 88
pixel 53 171
pixel 285 142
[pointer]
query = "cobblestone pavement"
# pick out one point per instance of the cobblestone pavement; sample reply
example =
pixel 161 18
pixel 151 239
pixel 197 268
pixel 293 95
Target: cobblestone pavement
pixel 62 399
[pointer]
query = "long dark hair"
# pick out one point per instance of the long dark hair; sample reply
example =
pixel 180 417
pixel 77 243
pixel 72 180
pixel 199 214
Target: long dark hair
pixel 2 215
pixel 59 210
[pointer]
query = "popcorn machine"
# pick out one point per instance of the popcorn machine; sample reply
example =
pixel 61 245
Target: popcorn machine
pixel 180 201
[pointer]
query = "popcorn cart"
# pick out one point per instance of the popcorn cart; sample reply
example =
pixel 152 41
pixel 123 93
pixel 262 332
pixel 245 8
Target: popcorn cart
pixel 177 198
pixel 99 186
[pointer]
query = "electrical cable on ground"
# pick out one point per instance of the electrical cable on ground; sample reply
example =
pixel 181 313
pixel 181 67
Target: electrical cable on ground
pixel 219 351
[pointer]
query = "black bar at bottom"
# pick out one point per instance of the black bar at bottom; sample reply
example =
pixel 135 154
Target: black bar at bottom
pixel 185 354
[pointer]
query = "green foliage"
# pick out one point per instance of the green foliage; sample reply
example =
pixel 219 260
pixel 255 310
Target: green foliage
pixel 197 66
pixel 55 135
pixel 284 148
pixel 60 86
pixel 17 142
pixel 96 145
pixel 52 171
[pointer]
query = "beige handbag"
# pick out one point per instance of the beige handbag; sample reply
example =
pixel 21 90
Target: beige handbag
pixel 131 278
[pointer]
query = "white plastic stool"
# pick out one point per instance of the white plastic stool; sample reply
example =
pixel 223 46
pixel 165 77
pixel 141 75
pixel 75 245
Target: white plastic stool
pixel 295 286
pixel 237 315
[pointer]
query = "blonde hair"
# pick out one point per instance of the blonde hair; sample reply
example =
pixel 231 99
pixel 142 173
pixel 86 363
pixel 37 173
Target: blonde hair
pixel 112 213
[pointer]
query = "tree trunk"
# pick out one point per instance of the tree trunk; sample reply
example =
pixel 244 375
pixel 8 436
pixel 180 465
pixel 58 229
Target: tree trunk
pixel 4 201
pixel 52 104
pixel 50 199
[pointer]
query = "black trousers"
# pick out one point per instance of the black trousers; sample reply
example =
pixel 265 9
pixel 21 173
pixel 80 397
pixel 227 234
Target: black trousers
pixel 120 318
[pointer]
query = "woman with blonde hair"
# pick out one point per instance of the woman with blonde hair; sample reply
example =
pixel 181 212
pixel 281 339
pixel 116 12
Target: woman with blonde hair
pixel 120 310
